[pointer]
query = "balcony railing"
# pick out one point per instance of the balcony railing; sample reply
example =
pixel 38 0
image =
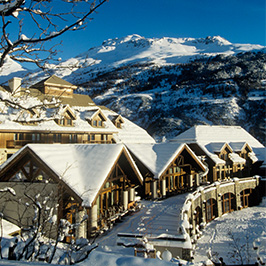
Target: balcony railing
pixel 17 144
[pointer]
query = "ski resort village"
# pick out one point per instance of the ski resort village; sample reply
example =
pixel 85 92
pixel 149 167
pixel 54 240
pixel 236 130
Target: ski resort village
pixel 83 184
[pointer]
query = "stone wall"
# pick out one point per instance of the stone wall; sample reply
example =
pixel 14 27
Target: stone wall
pixel 197 201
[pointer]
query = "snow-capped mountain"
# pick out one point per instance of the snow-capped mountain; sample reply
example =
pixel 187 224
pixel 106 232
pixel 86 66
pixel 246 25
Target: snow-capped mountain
pixel 133 49
pixel 169 84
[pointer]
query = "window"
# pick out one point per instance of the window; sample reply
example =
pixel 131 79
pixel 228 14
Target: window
pixel 57 138
pixel 73 138
pixel 35 137
pixel 228 203
pixel 104 137
pixel 18 136
pixel 100 123
pixel 210 210
pixel 92 137
pixel 94 123
pixel 244 196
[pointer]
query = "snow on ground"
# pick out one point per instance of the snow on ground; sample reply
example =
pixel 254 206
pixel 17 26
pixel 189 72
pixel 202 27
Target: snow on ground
pixel 233 231
pixel 154 218
pixel 245 226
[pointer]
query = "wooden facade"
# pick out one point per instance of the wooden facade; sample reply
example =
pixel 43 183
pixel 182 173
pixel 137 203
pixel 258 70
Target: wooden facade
pixel 227 168
pixel 54 86
pixel 11 140
pixel 114 198
pixel 183 173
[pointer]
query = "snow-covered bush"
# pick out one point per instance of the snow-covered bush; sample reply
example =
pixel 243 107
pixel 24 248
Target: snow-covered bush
pixel 44 238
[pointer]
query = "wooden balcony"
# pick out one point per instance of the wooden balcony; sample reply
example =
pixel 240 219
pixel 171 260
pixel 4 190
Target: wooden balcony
pixel 97 141
pixel 17 144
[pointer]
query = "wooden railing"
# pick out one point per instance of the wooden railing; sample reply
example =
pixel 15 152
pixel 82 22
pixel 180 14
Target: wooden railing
pixel 17 144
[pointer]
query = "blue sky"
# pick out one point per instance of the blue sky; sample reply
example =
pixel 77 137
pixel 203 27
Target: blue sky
pixel 238 21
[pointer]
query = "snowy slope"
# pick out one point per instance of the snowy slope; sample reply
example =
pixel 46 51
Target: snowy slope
pixel 167 85
pixel 11 69
pixel 132 49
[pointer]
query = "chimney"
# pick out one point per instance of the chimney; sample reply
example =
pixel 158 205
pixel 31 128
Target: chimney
pixel 15 85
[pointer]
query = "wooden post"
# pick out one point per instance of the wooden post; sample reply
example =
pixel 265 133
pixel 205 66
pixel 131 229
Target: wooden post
pixel 154 189
pixel 132 194
pixel 163 187
pixel 125 200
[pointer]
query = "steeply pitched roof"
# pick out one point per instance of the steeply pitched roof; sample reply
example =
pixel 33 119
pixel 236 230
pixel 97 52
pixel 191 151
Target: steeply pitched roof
pixel 238 146
pixel 83 167
pixel 130 132
pixel 214 147
pixel 204 134
pixel 91 114
pixel 157 157
pixel 75 100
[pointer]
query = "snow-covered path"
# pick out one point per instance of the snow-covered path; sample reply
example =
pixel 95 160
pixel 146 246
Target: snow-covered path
pixel 154 218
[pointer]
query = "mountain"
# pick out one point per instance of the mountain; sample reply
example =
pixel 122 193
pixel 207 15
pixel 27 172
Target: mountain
pixel 167 85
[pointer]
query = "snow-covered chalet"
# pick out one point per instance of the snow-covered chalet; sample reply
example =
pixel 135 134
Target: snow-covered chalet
pixel 50 112
pixel 88 161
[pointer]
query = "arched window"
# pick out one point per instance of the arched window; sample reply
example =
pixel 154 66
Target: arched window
pixel 211 209
pixel 228 203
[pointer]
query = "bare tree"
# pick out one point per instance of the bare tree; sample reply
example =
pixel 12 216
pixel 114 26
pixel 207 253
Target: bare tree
pixel 34 210
pixel 47 20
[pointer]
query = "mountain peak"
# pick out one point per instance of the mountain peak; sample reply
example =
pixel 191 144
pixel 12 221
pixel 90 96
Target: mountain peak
pixel 218 40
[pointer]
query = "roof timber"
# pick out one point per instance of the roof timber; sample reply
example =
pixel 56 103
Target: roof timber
pixel 156 158
pixel 79 162
pixel 132 164
pixel 16 163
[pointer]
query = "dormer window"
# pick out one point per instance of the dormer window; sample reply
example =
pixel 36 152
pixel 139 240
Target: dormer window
pixel 96 118
pixel 67 117
pixel 117 121
pixel 224 153
pixel 94 123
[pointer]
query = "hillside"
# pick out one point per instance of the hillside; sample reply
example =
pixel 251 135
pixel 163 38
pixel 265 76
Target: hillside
pixel 168 85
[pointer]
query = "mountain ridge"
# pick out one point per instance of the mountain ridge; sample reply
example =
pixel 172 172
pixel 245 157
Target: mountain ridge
pixel 168 84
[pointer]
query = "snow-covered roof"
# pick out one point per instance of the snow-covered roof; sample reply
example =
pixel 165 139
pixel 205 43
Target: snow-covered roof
pixel 129 132
pixel 157 157
pixel 83 167
pixel 235 158
pixel 212 156
pixel 205 134
pixel 54 80
pixel 49 110
pixel 237 146
pixel 214 147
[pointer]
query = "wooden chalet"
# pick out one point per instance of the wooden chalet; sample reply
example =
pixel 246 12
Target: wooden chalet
pixel 229 151
pixel 168 168
pixel 82 179
pixel 50 112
